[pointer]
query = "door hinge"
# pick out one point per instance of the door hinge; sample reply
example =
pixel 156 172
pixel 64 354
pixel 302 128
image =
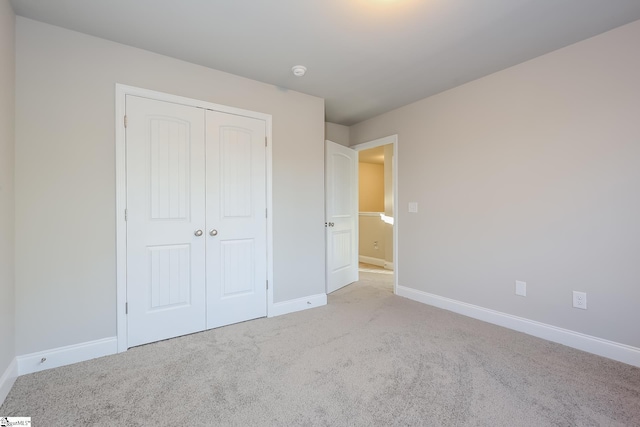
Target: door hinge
pixel 265 141
pixel 266 213
pixel 125 121
pixel 267 284
pixel 126 308
pixel 126 215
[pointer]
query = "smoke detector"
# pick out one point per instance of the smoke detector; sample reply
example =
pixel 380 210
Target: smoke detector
pixel 299 70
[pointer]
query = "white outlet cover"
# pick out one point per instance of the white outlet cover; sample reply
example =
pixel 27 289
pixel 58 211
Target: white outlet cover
pixel 413 207
pixel 580 300
pixel 521 288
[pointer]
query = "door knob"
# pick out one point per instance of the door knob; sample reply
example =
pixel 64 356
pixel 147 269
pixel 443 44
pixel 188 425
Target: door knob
pixel 213 232
pixel 198 233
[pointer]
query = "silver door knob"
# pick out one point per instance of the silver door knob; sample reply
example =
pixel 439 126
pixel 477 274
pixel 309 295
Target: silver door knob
pixel 198 233
pixel 213 232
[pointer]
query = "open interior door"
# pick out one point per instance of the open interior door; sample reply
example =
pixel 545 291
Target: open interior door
pixel 341 213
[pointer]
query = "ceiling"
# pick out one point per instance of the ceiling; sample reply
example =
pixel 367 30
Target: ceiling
pixel 364 57
pixel 372 155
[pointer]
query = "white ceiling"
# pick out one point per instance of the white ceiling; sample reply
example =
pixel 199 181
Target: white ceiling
pixel 365 57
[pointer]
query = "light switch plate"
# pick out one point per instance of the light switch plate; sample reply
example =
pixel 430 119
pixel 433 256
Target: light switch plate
pixel 413 207
pixel 521 288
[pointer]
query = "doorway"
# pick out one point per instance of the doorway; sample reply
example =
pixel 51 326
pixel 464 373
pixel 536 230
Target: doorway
pixel 377 197
pixel 341 216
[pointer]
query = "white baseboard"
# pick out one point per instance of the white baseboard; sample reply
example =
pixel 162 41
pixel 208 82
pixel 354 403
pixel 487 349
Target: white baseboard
pixel 7 379
pixel 371 260
pixel 299 304
pixel 610 349
pixel 62 356
pixel 376 261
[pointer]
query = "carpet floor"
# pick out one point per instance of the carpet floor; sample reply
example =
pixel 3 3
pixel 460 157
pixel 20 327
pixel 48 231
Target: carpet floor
pixel 368 358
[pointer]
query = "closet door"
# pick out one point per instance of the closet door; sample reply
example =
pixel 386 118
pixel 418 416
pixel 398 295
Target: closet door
pixel 236 219
pixel 165 220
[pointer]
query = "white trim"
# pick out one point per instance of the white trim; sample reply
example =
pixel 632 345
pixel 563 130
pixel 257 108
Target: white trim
pixel 371 260
pixel 269 170
pixel 298 304
pixel 370 213
pixel 176 99
pixel 610 349
pixel 121 225
pixel 7 379
pixel 391 139
pixel 121 192
pixel 61 356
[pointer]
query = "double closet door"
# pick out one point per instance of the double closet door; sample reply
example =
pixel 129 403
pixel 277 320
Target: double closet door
pixel 196 219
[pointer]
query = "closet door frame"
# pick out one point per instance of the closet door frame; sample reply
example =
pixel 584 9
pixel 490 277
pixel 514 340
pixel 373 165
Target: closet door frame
pixel 121 91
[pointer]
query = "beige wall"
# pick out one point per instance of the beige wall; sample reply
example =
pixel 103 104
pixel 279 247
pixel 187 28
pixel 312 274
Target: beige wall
pixel 65 177
pixel 7 137
pixel 370 187
pixel 388 202
pixel 336 133
pixel 371 236
pixel 530 174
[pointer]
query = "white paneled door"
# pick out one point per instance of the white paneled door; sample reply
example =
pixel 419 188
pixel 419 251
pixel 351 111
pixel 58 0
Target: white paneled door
pixel 165 208
pixel 341 204
pixel 236 219
pixel 196 243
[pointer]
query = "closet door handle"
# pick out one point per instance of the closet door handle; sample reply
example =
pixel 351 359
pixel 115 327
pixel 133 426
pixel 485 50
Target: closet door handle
pixel 198 233
pixel 213 232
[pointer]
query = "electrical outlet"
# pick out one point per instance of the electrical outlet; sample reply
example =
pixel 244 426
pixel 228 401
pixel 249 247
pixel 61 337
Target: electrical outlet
pixel 521 288
pixel 580 300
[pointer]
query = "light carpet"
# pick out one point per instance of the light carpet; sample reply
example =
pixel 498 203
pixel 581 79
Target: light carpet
pixel 368 358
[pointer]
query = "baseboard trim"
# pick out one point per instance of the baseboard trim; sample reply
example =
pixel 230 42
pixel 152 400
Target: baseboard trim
pixel 7 380
pixel 61 356
pixel 371 260
pixel 389 266
pixel 298 304
pixel 601 347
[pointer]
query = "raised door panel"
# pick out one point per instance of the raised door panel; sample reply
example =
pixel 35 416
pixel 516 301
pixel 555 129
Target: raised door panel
pixel 236 174
pixel 342 197
pixel 169 168
pixel 238 263
pixel 341 250
pixel 170 276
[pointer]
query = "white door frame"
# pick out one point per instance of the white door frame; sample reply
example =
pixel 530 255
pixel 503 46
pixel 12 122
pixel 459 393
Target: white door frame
pixel 121 193
pixel 391 139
